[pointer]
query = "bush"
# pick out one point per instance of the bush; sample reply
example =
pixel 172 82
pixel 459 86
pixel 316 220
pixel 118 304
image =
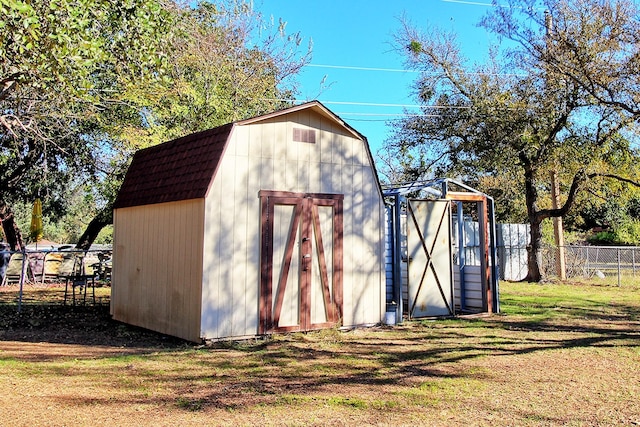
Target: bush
pixel 625 233
pixel 570 237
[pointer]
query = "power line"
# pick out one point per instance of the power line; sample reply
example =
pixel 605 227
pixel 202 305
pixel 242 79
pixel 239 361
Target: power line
pixel 370 104
pixel 348 67
pixel 477 3
pixel 395 70
pixel 474 3
pixel 375 104
pixel 353 113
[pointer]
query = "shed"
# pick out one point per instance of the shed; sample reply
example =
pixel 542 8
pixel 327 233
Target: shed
pixel 259 226
pixel 440 261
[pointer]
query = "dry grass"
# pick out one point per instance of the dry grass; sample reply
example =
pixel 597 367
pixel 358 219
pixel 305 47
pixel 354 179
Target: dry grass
pixel 559 355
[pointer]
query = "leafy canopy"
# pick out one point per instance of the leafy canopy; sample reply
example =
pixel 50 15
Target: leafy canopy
pixel 557 97
pixel 84 83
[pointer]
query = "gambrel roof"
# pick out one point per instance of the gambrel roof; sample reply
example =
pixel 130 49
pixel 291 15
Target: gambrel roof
pixel 184 168
pixel 181 169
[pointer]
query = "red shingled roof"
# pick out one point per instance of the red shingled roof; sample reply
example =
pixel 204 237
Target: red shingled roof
pixel 181 169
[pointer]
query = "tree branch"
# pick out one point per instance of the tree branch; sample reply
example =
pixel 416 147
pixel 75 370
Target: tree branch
pixel 617 177
pixel 578 179
pixel 8 84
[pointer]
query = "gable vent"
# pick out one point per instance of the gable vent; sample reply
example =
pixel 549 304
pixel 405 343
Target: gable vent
pixel 304 135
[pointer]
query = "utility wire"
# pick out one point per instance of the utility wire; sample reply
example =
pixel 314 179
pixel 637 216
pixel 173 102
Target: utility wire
pixel 477 3
pixel 374 104
pixel 473 3
pixel 395 70
pixel 347 67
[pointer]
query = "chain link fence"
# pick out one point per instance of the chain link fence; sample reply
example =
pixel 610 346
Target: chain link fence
pixel 609 265
pixel 606 265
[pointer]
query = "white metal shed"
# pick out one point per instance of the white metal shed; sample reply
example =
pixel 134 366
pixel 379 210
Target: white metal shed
pixel 431 271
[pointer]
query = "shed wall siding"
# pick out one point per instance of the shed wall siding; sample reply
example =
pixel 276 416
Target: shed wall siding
pixel 473 288
pixel 263 156
pixel 157 267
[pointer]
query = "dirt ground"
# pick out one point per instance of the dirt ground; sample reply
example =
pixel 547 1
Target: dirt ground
pixel 74 366
pixel 45 317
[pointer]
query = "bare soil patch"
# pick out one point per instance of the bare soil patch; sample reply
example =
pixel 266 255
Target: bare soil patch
pixel 45 317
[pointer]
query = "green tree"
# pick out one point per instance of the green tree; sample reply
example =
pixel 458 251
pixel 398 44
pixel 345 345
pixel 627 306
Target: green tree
pixel 520 114
pixel 64 64
pixel 87 83
pixel 226 63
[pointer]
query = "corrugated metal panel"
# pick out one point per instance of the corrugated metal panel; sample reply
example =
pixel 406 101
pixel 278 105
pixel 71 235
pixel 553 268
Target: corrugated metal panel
pixel 512 250
pixel 473 288
pixel 388 253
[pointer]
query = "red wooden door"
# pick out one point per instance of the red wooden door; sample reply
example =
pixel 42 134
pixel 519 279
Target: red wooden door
pixel 301 261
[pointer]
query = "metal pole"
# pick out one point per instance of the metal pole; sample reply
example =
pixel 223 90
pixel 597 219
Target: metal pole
pixel 494 255
pixel 586 273
pixel 483 228
pixel 618 251
pixel 397 259
pixel 461 256
pixel 22 274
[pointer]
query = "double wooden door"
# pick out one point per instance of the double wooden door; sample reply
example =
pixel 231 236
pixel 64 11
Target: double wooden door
pixel 301 261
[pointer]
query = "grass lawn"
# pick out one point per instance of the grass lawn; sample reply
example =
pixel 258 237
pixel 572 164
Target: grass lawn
pixel 557 355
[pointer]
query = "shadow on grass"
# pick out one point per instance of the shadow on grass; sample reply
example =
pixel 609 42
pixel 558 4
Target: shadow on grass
pixel 87 325
pixel 294 368
pixel 43 317
pixel 239 374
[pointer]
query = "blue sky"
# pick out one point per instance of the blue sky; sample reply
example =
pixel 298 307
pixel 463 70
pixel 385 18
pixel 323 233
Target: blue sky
pixel 354 70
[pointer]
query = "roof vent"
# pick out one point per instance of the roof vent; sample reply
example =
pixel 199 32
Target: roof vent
pixel 304 135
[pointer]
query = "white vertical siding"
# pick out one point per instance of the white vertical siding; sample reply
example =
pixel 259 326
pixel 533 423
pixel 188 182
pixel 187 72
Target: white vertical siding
pixel 214 303
pixel 239 193
pixel 352 288
pixel 263 156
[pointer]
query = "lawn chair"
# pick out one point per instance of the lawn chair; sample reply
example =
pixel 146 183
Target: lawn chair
pixel 67 265
pixel 36 265
pixel 90 263
pixel 14 270
pixel 78 279
pixel 52 263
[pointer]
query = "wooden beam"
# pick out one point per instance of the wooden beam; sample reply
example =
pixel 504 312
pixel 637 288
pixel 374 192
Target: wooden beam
pixel 465 197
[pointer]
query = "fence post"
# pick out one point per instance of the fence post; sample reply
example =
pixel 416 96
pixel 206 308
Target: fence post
pixel 23 272
pixel 618 250
pixel 587 272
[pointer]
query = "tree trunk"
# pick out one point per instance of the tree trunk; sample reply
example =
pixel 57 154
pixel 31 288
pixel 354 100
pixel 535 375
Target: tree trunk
pixel 104 218
pixel 10 228
pixel 534 257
